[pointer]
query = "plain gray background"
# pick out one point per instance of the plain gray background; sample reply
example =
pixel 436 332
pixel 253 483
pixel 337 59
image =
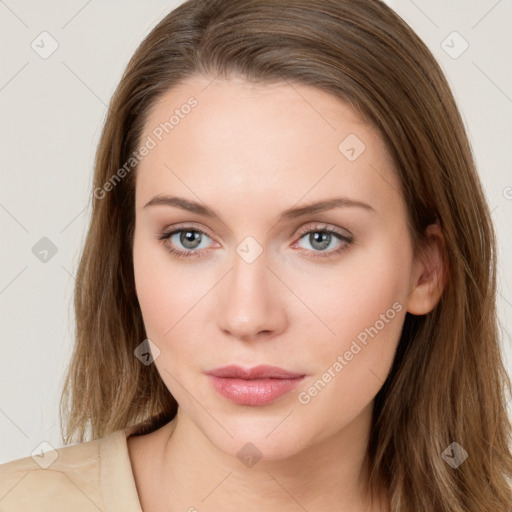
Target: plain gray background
pixel 53 109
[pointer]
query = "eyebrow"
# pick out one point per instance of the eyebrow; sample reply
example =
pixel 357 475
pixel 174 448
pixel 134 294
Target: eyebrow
pixel 291 213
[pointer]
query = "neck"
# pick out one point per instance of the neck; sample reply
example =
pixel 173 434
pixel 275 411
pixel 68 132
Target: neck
pixel 193 474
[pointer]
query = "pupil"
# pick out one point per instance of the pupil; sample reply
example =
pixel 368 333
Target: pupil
pixel 189 237
pixel 321 238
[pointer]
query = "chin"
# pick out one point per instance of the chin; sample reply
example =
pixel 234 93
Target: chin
pixel 264 438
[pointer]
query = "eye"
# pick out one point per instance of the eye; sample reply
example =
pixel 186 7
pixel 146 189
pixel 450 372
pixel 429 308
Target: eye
pixel 321 237
pixel 188 237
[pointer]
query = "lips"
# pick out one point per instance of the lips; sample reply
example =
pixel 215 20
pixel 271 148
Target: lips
pixel 257 372
pixel 257 386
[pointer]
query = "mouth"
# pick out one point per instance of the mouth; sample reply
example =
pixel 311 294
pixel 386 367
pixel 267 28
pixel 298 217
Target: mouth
pixel 257 386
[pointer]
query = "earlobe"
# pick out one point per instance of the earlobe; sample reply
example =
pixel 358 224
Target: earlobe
pixel 430 273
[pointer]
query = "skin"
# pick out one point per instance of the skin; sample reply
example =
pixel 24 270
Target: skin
pixel 250 152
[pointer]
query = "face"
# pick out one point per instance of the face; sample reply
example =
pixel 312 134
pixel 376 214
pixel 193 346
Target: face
pixel 321 293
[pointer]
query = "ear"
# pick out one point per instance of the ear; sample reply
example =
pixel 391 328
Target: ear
pixel 429 273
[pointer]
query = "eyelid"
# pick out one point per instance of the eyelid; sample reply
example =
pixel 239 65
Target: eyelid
pixel 323 226
pixel 308 227
pixel 190 226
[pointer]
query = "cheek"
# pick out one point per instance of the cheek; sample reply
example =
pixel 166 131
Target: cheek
pixel 362 310
pixel 148 284
pixel 156 286
pixel 352 370
pixel 169 294
pixel 169 297
pixel 352 296
pixel 365 307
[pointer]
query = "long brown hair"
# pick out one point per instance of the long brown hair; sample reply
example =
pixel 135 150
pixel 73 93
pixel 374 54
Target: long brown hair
pixel 448 382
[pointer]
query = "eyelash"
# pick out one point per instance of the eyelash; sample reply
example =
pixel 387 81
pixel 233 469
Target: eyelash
pixel 163 237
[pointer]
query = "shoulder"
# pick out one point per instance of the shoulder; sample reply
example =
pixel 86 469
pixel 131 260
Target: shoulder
pixel 67 478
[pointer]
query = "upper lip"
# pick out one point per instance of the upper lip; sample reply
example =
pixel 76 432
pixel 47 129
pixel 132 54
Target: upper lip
pixel 257 372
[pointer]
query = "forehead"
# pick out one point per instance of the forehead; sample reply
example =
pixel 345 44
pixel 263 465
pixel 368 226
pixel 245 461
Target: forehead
pixel 276 142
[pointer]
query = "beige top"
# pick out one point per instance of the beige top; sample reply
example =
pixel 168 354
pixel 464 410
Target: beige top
pixel 87 477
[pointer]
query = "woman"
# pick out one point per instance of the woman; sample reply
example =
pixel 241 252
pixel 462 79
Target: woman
pixel 286 296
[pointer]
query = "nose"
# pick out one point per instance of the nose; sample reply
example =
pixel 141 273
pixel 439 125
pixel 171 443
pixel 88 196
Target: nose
pixel 251 304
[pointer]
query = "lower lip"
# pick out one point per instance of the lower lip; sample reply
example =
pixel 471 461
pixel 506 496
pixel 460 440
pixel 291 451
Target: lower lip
pixel 253 392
